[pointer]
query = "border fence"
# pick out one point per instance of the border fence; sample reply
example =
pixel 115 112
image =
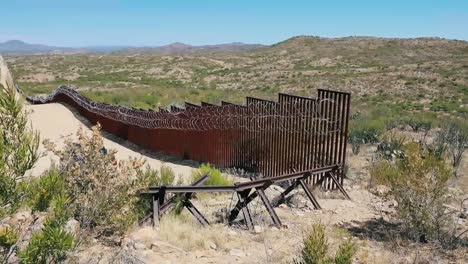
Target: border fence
pixel 270 138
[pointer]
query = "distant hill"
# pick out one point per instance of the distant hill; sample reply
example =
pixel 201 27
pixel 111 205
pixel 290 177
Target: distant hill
pixel 21 47
pixel 18 46
pixel 178 47
pixel 421 69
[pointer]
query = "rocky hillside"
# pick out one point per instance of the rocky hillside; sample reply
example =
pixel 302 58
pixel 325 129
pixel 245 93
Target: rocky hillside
pixel 424 71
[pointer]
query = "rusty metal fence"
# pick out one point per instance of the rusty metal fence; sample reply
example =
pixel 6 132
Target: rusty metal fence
pixel 267 137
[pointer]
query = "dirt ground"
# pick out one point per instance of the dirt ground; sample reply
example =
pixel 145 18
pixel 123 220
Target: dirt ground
pixel 364 218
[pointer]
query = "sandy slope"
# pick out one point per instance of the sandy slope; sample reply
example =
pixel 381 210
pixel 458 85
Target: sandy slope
pixel 55 121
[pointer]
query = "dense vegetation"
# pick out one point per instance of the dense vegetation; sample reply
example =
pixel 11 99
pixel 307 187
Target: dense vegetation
pixel 88 189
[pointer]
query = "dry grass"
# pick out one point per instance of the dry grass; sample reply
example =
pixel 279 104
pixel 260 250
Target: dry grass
pixel 186 233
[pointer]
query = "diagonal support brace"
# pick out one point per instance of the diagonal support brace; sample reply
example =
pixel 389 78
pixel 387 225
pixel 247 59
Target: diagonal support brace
pixel 301 181
pixel 243 195
pixel 269 207
pixel 193 210
pixel 332 175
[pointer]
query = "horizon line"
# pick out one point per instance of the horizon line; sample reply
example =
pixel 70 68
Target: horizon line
pixel 231 42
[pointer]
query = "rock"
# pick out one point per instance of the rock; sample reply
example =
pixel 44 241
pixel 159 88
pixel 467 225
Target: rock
pixel 237 253
pixel 139 246
pixel 273 192
pixel 297 201
pixel 380 190
pixel 38 224
pixel 258 229
pixel 19 218
pixel 73 227
pixel 232 233
pixel 274 229
pixel 212 245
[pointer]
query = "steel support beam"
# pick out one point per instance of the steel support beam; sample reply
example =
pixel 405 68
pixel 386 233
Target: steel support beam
pixel 309 194
pixel 332 175
pixel 245 209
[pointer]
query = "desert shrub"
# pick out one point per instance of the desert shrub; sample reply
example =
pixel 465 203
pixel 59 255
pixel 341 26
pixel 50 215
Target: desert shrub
pixel 418 181
pixel 167 176
pixel 420 121
pixel 8 238
pixel 345 253
pixel 215 175
pixel 444 106
pixel 18 153
pixel 452 140
pixel 391 146
pixel 42 190
pixel 152 177
pixel 364 131
pixel 18 144
pixel 103 189
pixel 52 243
pixel 315 249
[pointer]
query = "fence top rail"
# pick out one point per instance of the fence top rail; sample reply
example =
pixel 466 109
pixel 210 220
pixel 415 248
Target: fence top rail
pixel 239 186
pixel 333 91
pixel 282 178
pixel 190 189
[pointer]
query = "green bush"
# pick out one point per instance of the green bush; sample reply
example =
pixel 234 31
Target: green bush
pixel 345 253
pixel 391 146
pixel 418 181
pixel 8 237
pixel 315 249
pixel 167 176
pixel 444 106
pixel 363 131
pixel 18 146
pixel 52 243
pixel 42 190
pixel 152 177
pixel 423 121
pixel 215 177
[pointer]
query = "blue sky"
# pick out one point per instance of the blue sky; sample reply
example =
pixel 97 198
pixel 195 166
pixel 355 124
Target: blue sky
pixel 152 23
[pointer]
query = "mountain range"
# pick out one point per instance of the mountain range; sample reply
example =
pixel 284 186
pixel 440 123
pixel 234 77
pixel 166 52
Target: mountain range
pixel 21 47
